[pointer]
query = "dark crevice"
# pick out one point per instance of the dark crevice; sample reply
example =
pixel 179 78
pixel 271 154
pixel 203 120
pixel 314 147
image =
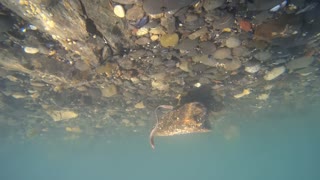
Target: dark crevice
pixel 90 26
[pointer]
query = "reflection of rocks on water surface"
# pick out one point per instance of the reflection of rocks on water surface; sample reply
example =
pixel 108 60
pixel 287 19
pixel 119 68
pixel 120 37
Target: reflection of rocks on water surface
pixel 89 75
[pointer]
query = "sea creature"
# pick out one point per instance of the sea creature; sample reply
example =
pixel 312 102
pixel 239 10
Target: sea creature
pixel 151 137
pixel 187 119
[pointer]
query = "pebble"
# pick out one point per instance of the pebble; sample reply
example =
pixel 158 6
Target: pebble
pixel 233 42
pixel 187 44
pixel 142 41
pixel 184 66
pixel 31 50
pixel 139 105
pixel 222 53
pixel 252 67
pixel 263 97
pixel 154 37
pixel 169 23
pixel 230 65
pixel 169 40
pixel 245 92
pixel 193 22
pixel 263 56
pixel 62 115
pixel 204 59
pixel 135 13
pixel 119 11
pixel 109 91
pixel 142 31
pixel 274 73
pixel 240 51
pixel 202 31
pixel 207 47
pixel 160 85
pixel 18 95
pixel 299 63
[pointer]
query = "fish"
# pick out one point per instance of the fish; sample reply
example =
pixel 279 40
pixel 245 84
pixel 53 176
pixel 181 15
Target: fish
pixel 151 136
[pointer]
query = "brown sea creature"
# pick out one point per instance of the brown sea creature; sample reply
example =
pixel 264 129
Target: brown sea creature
pixel 189 118
pixel 151 137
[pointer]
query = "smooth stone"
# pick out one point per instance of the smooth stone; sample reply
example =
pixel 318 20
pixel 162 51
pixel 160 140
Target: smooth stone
pixel 230 65
pixel 109 91
pixel 187 44
pixel 274 73
pixel 263 56
pixel 139 105
pixel 299 63
pixel 222 53
pixel 198 33
pixel 135 13
pixel 207 47
pixel 204 59
pixel 240 52
pixel 142 41
pixel 119 11
pixel 233 42
pixel 252 67
pixel 31 50
pixel 142 31
pixel 184 66
pixel 169 23
pixel 169 40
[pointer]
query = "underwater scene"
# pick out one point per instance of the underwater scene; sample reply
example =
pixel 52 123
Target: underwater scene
pixel 160 89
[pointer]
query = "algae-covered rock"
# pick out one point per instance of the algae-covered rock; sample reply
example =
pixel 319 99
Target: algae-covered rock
pixel 169 40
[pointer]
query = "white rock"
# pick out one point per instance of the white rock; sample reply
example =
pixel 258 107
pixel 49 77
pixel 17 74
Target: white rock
pixel 31 50
pixel 142 31
pixel 274 73
pixel 119 11
pixel 252 68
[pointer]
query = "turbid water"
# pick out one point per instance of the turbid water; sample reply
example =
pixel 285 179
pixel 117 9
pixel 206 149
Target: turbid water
pixel 271 145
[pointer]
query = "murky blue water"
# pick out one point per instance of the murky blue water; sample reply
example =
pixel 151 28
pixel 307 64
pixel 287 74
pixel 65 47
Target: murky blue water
pixel 269 146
